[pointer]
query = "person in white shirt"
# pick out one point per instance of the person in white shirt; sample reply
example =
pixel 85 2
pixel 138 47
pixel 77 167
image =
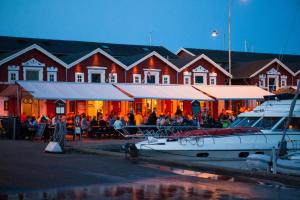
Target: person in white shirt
pixel 118 124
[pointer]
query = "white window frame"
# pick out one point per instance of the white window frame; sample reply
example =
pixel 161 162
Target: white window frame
pixel 187 75
pixel 52 71
pixel 115 75
pixel 77 74
pixel 152 73
pixel 33 65
pixel 283 79
pixel 139 76
pixel 167 77
pixel 13 69
pixel 204 75
pixel 96 70
pixel 49 76
pixel 276 80
pixel 40 70
pixel 262 81
pixel 213 77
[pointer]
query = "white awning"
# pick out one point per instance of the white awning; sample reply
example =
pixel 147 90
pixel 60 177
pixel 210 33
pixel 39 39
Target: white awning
pixel 172 92
pixel 233 92
pixel 73 91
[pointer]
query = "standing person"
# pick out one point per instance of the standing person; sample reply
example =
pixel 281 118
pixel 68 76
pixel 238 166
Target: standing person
pixel 152 118
pixel 118 125
pixel 131 120
pixel 84 124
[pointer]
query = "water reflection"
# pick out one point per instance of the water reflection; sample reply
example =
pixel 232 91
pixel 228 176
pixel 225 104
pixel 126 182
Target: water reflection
pixel 164 188
pixel 184 184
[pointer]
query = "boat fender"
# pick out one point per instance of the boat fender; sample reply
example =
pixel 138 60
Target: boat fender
pixel 131 149
pixel 283 149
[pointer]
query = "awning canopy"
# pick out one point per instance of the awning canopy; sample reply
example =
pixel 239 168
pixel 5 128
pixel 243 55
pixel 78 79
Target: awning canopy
pixel 172 92
pixel 73 91
pixel 233 92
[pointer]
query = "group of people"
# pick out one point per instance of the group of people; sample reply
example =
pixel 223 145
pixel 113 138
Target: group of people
pixel 78 124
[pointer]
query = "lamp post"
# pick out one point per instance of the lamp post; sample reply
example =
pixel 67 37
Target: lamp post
pixel 215 34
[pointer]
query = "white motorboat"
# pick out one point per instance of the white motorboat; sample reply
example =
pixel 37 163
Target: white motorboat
pixel 266 124
pixel 289 165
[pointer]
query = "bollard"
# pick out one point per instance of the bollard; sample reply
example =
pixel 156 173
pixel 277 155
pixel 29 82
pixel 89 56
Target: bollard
pixel 14 128
pixel 274 160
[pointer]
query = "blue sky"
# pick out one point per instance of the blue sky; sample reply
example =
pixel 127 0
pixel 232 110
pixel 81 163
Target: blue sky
pixel 267 25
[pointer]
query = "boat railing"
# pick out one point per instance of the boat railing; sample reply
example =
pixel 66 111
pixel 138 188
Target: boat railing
pixel 181 133
pixel 295 144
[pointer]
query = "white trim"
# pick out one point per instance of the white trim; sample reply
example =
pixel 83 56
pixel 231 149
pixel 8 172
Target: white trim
pixel 33 63
pixel 96 70
pixel 139 77
pixel 213 78
pixel 186 51
pixel 298 72
pixel 76 77
pixel 283 79
pixel 262 77
pixel 37 47
pixel 204 75
pixel 16 72
pixel 152 73
pixel 39 69
pixel 98 50
pixel 13 68
pixel 276 77
pixel 54 73
pixel 154 53
pixel 200 69
pixel 155 70
pixel 52 69
pixel 270 63
pixel 168 79
pixel 96 67
pixel 187 75
pixel 115 75
pixel 210 61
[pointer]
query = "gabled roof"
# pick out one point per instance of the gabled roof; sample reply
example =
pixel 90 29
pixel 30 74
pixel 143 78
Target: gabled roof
pixel 203 56
pixel 34 46
pixel 63 48
pixel 98 50
pixel 238 56
pixel 185 50
pixel 154 53
pixel 294 66
pixel 251 69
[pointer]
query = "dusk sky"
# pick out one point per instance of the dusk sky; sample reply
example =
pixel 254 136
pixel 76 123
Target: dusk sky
pixel 267 25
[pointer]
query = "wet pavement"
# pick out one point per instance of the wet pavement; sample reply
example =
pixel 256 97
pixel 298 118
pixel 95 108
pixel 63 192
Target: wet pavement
pixel 28 173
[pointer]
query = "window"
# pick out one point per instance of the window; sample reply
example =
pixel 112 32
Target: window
pixel 51 76
pixel 200 78
pixel 187 80
pixel 283 81
pixel 136 78
pixel 262 81
pixel 213 80
pixel 96 74
pixel 152 76
pixel 79 77
pixel 267 122
pixel 13 76
pixel 113 78
pixel 33 70
pixel 96 78
pixel 13 73
pixel 166 79
pixel 293 126
pixel 32 75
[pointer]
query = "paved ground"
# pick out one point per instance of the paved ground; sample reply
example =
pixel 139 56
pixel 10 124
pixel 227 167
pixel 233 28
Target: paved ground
pixel 27 172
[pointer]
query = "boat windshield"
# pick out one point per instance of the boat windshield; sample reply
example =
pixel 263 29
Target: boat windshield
pixel 244 121
pixel 294 125
pixel 267 122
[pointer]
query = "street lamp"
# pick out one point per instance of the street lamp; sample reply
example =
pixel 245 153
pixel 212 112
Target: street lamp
pixel 215 34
